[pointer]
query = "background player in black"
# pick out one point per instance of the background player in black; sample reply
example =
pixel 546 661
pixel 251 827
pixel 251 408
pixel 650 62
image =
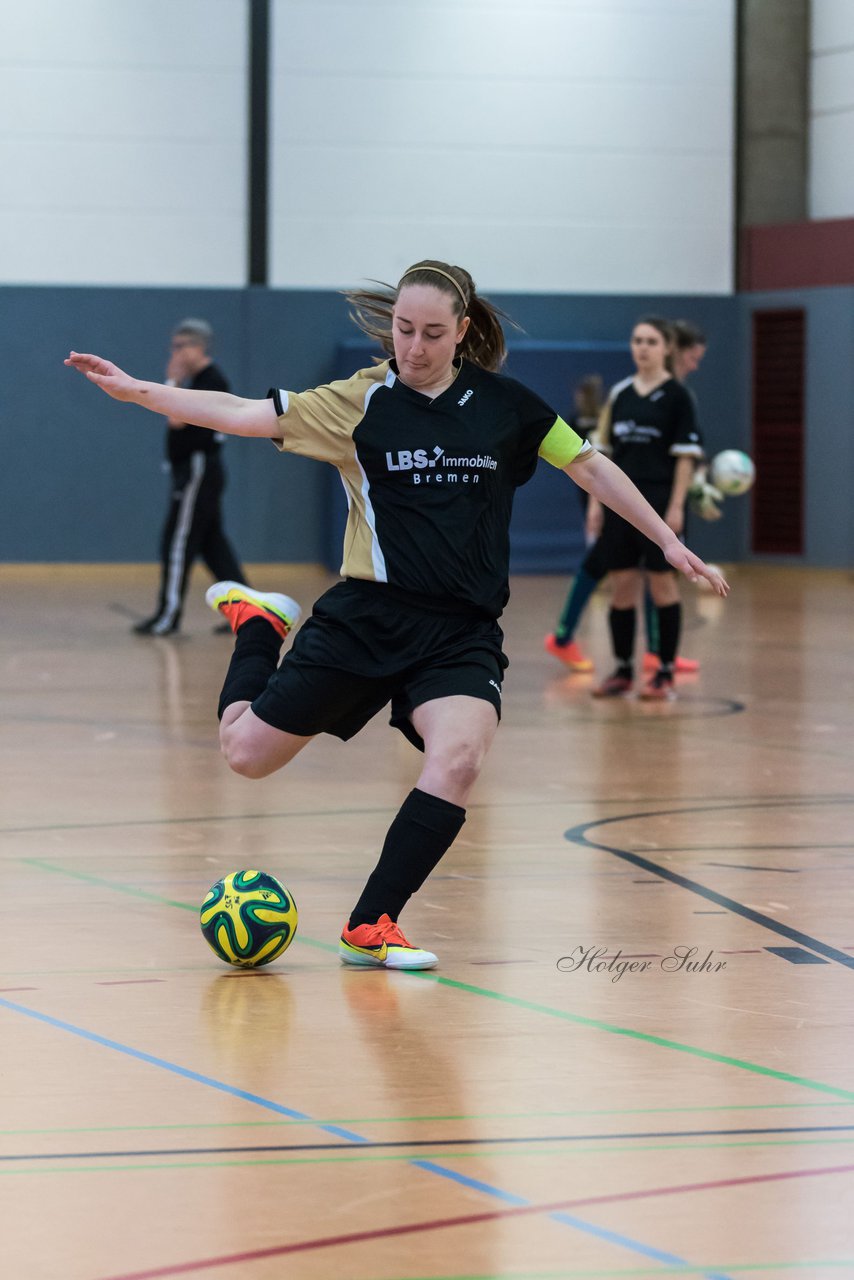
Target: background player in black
pixel 687 351
pixel 194 525
pixel 369 640
pixel 651 433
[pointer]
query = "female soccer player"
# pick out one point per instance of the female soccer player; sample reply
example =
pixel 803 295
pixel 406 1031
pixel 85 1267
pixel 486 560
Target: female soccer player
pixel 431 445
pixel 687 351
pixel 650 431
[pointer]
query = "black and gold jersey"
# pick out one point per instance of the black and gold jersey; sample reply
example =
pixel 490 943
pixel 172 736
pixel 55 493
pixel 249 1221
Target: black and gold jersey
pixel 429 483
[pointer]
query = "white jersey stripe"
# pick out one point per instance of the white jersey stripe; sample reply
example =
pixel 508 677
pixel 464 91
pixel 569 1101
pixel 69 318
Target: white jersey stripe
pixel 177 554
pixel 377 557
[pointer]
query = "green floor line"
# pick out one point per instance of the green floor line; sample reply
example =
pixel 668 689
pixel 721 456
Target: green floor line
pixel 108 884
pixel 516 1002
pixel 484 1115
pixel 642 1036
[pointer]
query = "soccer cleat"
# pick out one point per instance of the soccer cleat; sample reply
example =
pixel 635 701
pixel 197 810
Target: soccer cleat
pixel 614 687
pixel 659 689
pixel 382 946
pixel 238 604
pixel 570 654
pixel 682 666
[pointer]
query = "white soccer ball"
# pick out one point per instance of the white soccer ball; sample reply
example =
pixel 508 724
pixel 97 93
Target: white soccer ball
pixel 732 472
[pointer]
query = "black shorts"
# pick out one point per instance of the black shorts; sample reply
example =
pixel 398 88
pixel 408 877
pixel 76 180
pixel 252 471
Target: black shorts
pixel 625 547
pixel 366 645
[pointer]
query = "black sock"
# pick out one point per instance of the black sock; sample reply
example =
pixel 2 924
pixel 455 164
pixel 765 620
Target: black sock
pixel 255 658
pixel 423 831
pixel 669 627
pixel 622 623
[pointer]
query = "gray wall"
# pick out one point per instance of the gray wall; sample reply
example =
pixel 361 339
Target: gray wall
pixel 82 478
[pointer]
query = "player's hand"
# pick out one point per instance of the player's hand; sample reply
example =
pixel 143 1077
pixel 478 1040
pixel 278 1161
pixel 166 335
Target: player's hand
pixel 106 375
pixel 175 370
pixel 694 568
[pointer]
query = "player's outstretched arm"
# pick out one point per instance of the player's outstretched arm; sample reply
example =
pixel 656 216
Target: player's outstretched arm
pixel 600 477
pixel 218 410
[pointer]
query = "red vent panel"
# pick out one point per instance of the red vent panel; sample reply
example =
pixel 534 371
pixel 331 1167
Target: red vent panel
pixel 778 431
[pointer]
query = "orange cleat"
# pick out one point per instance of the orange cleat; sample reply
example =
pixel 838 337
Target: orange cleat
pixel 682 666
pixel 571 654
pixel 382 946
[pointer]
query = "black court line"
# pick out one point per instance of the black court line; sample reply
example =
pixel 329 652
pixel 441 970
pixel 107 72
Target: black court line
pixel 578 835
pixel 753 848
pixel 740 866
pixel 796 955
pixel 743 802
pixel 405 1145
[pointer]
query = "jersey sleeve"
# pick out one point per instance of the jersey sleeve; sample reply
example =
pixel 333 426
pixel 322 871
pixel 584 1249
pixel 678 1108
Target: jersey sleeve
pixel 320 423
pixel 687 440
pixel 562 445
pixel 535 420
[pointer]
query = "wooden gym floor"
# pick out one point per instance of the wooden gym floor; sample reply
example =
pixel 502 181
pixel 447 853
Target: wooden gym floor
pixel 524 1110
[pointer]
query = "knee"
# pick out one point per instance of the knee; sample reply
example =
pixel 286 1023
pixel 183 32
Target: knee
pixel 241 758
pixel 459 767
pixel 664 593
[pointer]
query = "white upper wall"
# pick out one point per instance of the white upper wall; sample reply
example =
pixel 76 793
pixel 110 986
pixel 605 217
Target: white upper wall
pixel 546 145
pixel 832 109
pixel 123 142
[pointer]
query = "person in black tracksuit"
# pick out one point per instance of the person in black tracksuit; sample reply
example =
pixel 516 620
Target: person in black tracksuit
pixel 194 525
pixel 431 445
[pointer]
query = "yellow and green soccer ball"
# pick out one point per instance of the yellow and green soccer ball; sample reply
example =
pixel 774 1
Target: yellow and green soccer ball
pixel 248 918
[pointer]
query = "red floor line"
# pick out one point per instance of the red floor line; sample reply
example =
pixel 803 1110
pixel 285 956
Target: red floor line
pixel 488 1215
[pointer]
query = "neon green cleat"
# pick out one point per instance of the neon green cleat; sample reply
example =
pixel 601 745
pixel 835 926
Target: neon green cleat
pixel 238 604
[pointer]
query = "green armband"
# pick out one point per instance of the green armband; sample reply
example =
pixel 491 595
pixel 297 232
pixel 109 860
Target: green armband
pixel 562 445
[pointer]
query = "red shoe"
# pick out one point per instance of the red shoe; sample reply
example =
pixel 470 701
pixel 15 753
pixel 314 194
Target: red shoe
pixel 659 689
pixel 682 666
pixel 571 654
pixel 614 687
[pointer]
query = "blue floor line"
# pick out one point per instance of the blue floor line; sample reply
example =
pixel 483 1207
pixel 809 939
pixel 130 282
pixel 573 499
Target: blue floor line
pixel 427 1166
